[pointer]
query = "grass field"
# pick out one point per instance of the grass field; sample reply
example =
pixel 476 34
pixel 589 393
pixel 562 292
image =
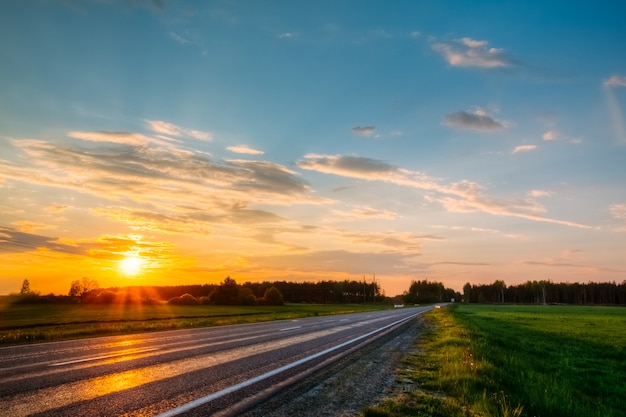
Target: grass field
pixel 516 361
pixel 27 323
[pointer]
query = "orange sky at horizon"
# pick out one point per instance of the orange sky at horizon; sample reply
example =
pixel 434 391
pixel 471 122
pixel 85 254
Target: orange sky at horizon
pixel 129 260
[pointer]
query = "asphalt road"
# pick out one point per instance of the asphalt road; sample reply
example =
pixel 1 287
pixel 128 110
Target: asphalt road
pixel 208 371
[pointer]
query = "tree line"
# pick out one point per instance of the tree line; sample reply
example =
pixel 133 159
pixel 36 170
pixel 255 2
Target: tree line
pixel 547 292
pixel 228 292
pixel 427 292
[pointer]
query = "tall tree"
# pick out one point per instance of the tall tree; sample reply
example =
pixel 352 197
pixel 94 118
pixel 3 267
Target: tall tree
pixel 467 292
pixel 25 288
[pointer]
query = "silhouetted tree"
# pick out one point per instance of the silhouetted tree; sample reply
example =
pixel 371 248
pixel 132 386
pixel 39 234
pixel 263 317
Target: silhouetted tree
pixel 226 294
pixel 25 288
pixel 467 292
pixel 79 289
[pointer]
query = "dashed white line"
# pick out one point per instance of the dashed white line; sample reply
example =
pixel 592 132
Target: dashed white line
pixel 290 328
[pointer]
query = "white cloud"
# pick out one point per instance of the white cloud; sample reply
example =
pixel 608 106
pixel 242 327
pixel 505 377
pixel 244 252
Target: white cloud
pixel 615 81
pixel 476 119
pixel 171 129
pixel 550 135
pixel 524 148
pixel 467 52
pixel 539 193
pixel 244 149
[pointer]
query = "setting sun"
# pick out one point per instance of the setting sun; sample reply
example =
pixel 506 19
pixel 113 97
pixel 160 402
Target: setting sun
pixel 131 265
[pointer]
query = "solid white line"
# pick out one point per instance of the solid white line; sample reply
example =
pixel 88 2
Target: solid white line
pixel 97 358
pixel 207 399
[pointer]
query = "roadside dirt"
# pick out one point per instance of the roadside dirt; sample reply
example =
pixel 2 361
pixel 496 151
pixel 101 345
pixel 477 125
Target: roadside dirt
pixel 349 385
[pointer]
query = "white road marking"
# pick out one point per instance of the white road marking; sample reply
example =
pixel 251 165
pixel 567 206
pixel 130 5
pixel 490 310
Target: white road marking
pixel 290 328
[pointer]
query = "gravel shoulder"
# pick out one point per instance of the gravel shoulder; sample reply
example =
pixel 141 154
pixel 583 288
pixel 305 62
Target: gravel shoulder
pixel 347 386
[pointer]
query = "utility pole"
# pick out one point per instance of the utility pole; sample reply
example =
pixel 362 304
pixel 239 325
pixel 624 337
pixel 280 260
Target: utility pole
pixel 374 289
pixel 363 288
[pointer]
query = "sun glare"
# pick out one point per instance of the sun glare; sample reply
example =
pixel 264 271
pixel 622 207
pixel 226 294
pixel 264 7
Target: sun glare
pixel 131 265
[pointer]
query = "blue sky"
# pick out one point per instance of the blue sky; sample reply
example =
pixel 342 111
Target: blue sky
pixel 452 141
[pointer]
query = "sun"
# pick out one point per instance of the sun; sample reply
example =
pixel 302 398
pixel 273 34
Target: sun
pixel 131 265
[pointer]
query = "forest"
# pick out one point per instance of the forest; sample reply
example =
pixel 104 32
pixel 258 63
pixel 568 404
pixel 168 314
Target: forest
pixel 547 292
pixel 229 292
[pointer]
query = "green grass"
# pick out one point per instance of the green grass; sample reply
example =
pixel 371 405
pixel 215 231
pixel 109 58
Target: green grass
pixel 27 323
pixel 516 361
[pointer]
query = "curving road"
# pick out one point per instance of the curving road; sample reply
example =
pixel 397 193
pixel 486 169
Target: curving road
pixel 207 371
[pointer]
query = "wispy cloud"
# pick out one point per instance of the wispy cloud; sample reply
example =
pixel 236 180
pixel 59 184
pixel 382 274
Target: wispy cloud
pixel 618 212
pixel 409 243
pixel 171 129
pixel 367 131
pixel 476 119
pixel 550 135
pixel 28 226
pixel 180 38
pixel 338 260
pixel 539 193
pixel 359 213
pixel 287 35
pixel 188 221
pixel 56 208
pixel 244 149
pixel 127 138
pixel 524 148
pixel 162 176
pixel 615 81
pixel 462 196
pixel 467 52
pixel 16 241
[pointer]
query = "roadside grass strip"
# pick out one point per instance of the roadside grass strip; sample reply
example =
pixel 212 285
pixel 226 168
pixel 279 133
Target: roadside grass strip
pixel 505 361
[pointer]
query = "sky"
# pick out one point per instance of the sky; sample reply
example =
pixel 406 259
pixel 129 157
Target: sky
pixel 181 142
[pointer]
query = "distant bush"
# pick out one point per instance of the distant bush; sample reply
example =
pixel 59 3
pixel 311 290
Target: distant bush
pixel 30 298
pixel 246 297
pixel 105 297
pixel 273 297
pixel 185 299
